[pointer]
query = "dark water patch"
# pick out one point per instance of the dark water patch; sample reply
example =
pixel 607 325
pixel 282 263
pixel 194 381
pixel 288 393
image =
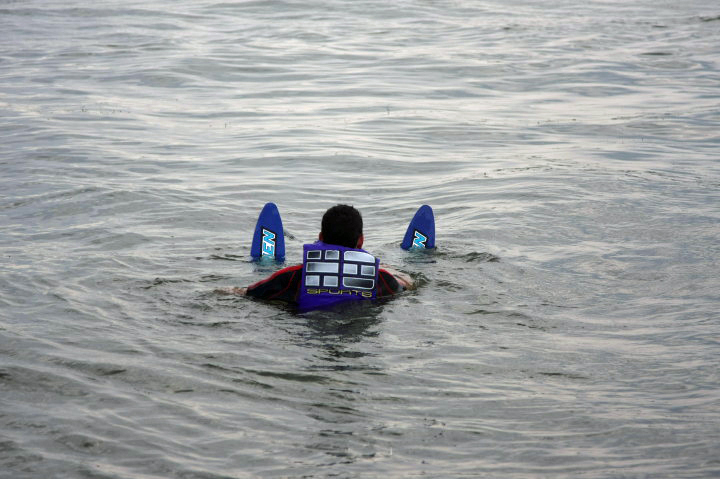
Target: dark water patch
pixel 211 278
pixel 187 320
pixel 348 354
pixel 345 323
pixel 449 286
pixel 710 19
pixel 336 368
pixel 421 256
pixel 15 457
pixel 226 257
pixel 118 241
pixel 564 375
pixel 49 198
pixel 475 257
pixel 483 311
pixel 82 443
pixel 289 376
pixel 53 383
pixel 163 281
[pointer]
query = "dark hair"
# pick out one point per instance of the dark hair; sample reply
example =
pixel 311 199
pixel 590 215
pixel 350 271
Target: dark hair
pixel 342 225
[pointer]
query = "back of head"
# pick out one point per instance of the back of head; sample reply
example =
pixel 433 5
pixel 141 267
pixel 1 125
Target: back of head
pixel 342 225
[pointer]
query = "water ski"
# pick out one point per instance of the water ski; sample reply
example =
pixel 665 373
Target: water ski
pixel 420 233
pixel 268 240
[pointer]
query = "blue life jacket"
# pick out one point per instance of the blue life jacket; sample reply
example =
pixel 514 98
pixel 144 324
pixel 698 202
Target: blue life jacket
pixel 333 274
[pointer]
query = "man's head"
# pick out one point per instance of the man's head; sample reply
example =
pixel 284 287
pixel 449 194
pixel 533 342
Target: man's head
pixel 342 225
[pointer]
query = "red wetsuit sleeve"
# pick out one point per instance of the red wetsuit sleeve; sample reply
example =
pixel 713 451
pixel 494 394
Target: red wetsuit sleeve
pixel 388 284
pixel 283 285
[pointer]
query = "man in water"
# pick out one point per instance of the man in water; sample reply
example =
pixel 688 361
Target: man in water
pixel 334 270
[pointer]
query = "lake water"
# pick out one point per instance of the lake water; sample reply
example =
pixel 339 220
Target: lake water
pixel 567 325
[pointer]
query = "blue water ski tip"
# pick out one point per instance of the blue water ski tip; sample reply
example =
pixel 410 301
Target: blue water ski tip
pixel 420 233
pixel 268 239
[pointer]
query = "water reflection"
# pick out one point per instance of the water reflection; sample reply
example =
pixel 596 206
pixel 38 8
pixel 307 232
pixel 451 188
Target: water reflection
pixel 343 348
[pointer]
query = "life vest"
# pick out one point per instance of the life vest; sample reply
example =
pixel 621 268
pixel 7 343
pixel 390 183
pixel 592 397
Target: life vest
pixel 333 274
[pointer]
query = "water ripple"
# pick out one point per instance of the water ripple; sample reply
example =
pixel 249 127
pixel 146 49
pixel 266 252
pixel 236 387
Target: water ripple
pixel 564 327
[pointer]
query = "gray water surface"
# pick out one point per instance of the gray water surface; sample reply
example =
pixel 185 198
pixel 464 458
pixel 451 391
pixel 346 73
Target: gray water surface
pixel 566 326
